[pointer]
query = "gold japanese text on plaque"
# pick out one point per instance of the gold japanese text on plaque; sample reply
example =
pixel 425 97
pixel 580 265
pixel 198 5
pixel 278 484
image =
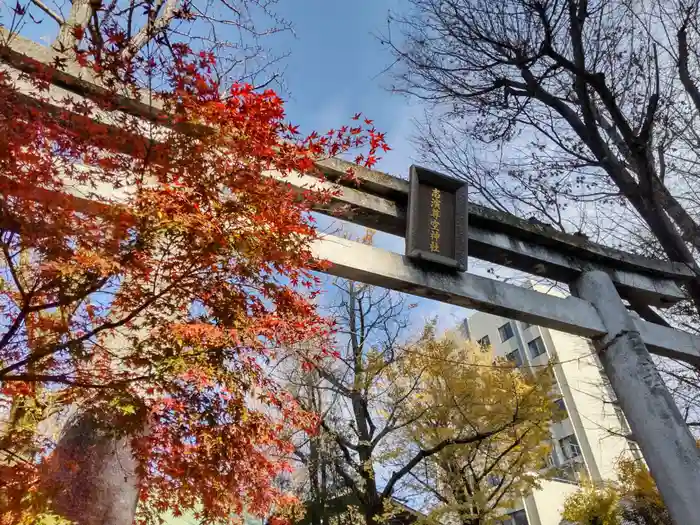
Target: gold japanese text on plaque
pixel 435 221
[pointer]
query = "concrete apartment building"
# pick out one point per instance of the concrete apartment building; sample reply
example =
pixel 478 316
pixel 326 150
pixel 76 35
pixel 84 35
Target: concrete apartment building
pixel 594 436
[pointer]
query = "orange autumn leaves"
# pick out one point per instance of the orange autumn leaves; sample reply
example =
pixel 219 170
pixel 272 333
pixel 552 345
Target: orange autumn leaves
pixel 150 270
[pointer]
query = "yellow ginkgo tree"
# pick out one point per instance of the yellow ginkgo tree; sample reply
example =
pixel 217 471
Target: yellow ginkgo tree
pixel 397 402
pixel 464 389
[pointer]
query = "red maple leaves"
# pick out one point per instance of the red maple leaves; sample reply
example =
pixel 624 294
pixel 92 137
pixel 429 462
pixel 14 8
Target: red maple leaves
pixel 146 278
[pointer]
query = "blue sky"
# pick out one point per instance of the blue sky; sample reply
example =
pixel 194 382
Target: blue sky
pixel 337 67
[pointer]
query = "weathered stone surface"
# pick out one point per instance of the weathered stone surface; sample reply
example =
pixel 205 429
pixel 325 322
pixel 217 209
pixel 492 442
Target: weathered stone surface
pixel 93 479
pixel 353 260
pixel 658 427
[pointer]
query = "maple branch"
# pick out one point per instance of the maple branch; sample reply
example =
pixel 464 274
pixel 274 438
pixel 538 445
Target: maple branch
pixel 13 272
pixel 65 380
pixel 17 323
pixel 95 32
pixel 80 14
pixel 11 454
pixel 264 85
pixel 26 309
pixel 130 18
pixel 37 356
pixel 46 9
pixel 154 25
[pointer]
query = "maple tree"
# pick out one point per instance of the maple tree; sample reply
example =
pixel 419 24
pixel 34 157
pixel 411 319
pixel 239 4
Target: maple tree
pixel 150 269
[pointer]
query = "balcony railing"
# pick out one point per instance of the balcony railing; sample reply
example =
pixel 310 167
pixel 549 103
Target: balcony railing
pixel 568 473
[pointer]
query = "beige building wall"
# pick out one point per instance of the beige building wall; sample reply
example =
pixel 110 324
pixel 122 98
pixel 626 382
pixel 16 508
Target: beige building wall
pixel 544 506
pixel 590 403
pixel 591 440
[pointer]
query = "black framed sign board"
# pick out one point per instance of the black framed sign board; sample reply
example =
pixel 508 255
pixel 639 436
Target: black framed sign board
pixel 436 226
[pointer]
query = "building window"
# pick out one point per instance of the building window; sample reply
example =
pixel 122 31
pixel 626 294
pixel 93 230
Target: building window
pixel 561 406
pixel 570 472
pixel 493 480
pixel 570 447
pixel 634 450
pixel 515 357
pixel 536 347
pixel 519 517
pixel 484 343
pixel 506 331
pixel 624 427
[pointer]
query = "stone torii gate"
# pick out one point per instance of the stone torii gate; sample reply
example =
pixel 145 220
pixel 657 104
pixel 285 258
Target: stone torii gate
pixel 599 278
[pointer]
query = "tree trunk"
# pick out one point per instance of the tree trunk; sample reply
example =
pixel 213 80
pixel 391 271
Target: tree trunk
pixel 92 476
pixel 79 16
pixel 373 512
pixel 317 507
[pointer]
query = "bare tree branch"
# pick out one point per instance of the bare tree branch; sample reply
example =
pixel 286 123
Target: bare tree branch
pixel 46 9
